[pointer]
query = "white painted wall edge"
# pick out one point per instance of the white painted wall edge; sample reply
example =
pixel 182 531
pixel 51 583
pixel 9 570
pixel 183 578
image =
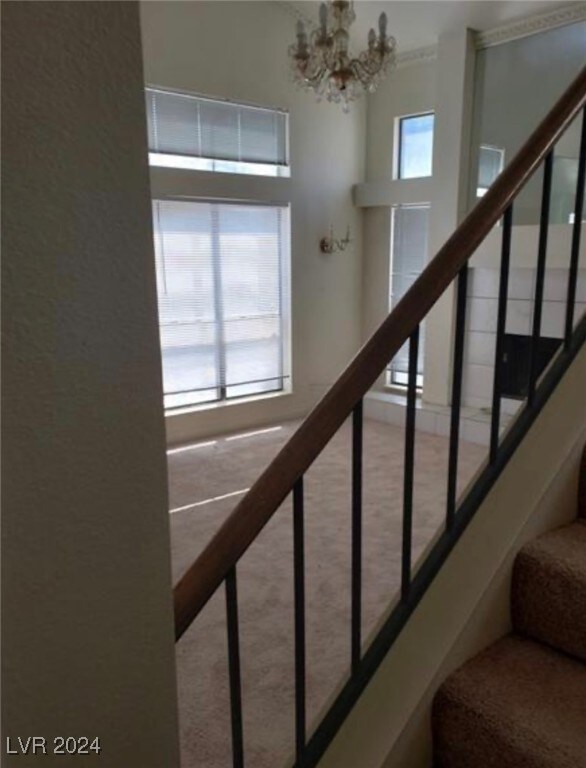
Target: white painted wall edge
pixel 373 727
pixel 387 192
pixel 175 182
pixel 87 610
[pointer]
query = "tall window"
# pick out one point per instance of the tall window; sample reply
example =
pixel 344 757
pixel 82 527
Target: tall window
pixel 222 266
pixel 409 227
pixel 415 146
pixel 222 281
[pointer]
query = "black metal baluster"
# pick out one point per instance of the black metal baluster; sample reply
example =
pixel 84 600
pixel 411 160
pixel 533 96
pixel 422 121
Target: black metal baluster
pixel 500 331
pixel 356 535
pixel 299 582
pixel 409 465
pixel 456 395
pixel 576 234
pixel 540 276
pixel 234 669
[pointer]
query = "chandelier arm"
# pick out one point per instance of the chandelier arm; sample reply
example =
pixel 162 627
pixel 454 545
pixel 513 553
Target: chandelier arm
pixel 309 71
pixel 366 71
pixel 319 74
pixel 321 60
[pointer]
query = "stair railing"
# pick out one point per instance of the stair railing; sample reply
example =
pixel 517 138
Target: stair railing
pixel 217 562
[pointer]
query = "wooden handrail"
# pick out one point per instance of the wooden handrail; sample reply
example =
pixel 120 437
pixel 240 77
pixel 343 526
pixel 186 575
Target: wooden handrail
pixel 255 509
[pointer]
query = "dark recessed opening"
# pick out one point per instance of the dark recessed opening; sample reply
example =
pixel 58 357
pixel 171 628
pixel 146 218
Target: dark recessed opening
pixel 517 359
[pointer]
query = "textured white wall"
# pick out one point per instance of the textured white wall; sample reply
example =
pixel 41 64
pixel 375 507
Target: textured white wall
pixel 86 623
pixel 238 50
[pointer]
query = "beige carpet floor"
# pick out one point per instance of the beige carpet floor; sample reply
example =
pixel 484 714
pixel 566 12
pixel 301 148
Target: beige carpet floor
pixel 265 583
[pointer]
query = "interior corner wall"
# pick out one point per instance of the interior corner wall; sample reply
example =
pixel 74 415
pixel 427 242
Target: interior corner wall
pixel 238 50
pixel 87 626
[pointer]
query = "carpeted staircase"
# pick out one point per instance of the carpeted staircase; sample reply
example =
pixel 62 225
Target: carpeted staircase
pixel 521 703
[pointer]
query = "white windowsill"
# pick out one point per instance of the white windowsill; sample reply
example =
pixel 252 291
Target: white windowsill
pixel 399 393
pixel 396 394
pixel 172 412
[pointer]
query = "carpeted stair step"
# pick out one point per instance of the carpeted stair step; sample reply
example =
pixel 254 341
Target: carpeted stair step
pixel 518 704
pixel 548 598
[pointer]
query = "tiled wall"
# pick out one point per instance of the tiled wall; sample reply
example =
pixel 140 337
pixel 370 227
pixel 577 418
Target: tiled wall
pixel 389 407
pixel 480 341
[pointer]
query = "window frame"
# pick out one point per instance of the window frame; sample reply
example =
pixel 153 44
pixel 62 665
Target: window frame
pixel 222 187
pixel 481 191
pixel 190 162
pixel 397 142
pixel 284 316
pixel 389 383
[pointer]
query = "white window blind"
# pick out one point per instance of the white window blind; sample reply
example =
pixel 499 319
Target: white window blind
pixel 207 134
pixel 222 284
pixel 410 227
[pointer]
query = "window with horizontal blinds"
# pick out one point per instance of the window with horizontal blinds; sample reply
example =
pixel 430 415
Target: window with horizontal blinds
pixel 409 243
pixel 222 284
pixel 205 134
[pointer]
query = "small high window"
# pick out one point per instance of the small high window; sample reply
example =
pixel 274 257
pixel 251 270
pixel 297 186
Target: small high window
pixel 415 146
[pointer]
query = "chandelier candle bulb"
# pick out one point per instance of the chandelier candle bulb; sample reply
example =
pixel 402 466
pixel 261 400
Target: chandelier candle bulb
pixel 382 25
pixel 321 60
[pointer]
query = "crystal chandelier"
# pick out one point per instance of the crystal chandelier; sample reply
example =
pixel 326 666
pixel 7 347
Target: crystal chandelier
pixel 321 61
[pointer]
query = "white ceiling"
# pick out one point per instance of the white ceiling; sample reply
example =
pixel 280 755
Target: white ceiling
pixel 418 23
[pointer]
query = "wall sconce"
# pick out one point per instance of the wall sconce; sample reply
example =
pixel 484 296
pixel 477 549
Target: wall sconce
pixel 330 244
